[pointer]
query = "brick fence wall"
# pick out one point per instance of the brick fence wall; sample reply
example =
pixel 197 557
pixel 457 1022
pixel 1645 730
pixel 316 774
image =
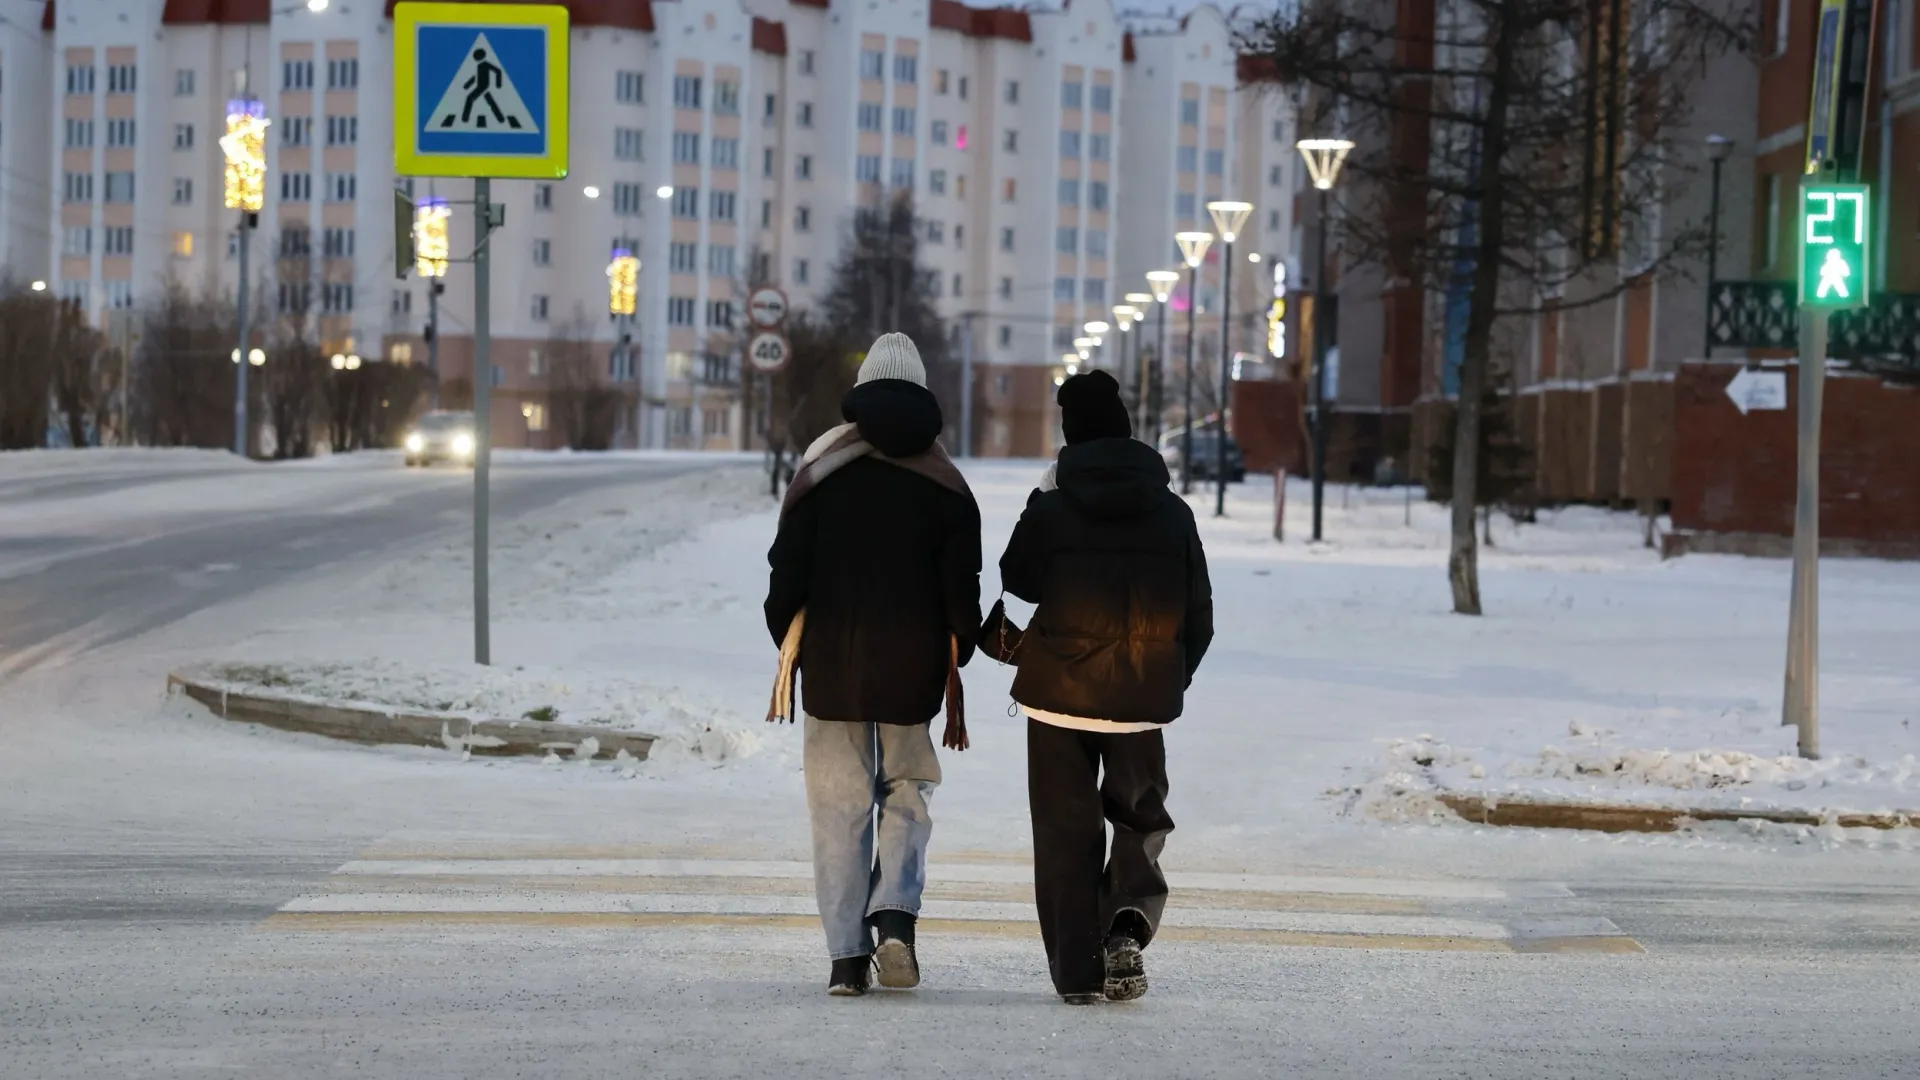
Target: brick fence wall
pixel 1734 475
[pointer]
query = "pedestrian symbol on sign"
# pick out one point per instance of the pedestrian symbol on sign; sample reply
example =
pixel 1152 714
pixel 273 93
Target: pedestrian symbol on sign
pixel 481 97
pixel 1833 275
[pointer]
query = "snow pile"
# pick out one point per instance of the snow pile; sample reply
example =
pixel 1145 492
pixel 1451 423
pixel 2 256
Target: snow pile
pixel 689 727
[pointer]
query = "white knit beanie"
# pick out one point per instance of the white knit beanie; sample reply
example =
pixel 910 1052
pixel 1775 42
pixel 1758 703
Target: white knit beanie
pixel 893 356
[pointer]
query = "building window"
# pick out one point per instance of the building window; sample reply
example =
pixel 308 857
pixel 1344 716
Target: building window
pixel 119 187
pixel 680 310
pixel 903 121
pixel 682 258
pixel 766 162
pixel 686 202
pixel 295 242
pixel 1013 92
pixel 806 61
pixel 1279 131
pixel 1183 205
pixel 117 240
pixel 1066 241
pixel 120 133
pixel 959 236
pixel 121 79
pixel 1096 194
pixel 183 82
pixel 800 269
pixel 1062 335
pixel 1097 243
pixel 629 87
pixel 539 309
pixel 722 205
pixel 726 154
pixel 936 232
pixel 1096 290
pixel 295 187
pixel 1186 158
pixel 628 144
pixel 182 191
pixel 686 148
pixel 937 181
pixel 866 168
pixel 803 116
pixel 1099 147
pixel 296 130
pixel 337 243
pixel 343 74
pixel 78 241
pixel 956 284
pixel 80 79
pixel 680 420
pixel 1216 162
pixel 1190 112
pixel 296 297
pixel 1070 95
pixel 402 305
pixel 803 166
pixel 78 187
pixel 1006 288
pixel 720 260
pixel 1007 190
pixel 401 352
pixel 901 174
pixel 1006 239
pixel 183 136
pixel 342 187
pixel 296 75
pixel 543 252
pixel 868 116
pixel 940 81
pixel 1006 337
pixel 962 91
pixel 906 69
pixel 535 415
pixel 120 295
pixel 726 98
pixel 336 297
pixel 772 110
pixel 1064 290
pixel 627 200
pixel 1010 142
pixel 343 130
pixel 1070 192
pixel 686 91
pixel 802 219
pixel 1273 176
pixel 716 423
pixel 938 133
pixel 79 134
pixel 536 362
pixel 1273 221
pixel 873 63
pixel 1102 98
pixel 720 314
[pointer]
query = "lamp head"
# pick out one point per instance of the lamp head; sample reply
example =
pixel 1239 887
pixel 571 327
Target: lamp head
pixel 1193 246
pixel 1228 215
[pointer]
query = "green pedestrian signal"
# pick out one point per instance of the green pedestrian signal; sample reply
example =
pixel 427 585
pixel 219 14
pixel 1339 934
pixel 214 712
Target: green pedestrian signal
pixel 1836 224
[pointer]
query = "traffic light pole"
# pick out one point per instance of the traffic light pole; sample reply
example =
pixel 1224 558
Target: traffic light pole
pixel 482 408
pixel 1802 706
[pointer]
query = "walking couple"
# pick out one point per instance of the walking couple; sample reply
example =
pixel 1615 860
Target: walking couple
pixel 874 599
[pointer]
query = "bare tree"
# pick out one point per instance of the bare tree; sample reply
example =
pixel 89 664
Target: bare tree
pixel 1515 158
pixel 28 328
pixel 183 375
pixel 582 404
pixel 79 354
pixel 294 387
pixel 879 286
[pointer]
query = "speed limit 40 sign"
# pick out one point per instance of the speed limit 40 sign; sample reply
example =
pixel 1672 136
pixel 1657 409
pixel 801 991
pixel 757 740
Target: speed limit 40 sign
pixel 768 352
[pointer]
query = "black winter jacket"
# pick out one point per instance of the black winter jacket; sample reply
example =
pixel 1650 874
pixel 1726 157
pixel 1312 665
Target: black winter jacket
pixel 1114 563
pixel 886 563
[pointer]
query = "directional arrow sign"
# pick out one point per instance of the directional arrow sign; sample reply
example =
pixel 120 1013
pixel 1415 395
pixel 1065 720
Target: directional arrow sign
pixel 1750 390
pixel 767 307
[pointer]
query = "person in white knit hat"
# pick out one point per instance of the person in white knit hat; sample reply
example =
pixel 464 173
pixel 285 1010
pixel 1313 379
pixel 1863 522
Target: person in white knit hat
pixel 874 600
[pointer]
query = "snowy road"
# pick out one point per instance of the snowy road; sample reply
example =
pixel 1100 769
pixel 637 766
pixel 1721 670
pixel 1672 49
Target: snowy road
pixel 114 553
pixel 185 898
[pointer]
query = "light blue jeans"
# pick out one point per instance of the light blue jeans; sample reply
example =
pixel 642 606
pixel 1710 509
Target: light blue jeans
pixel 863 781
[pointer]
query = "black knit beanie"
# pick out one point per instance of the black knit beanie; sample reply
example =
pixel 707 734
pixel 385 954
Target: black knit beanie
pixel 1090 408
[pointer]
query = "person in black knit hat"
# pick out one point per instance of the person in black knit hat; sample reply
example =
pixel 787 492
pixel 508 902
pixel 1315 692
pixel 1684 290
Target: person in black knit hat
pixel 1112 560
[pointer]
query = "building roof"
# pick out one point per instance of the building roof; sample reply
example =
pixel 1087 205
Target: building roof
pixel 46 16
pixel 769 37
pixel 227 12
pixel 619 14
pixel 1001 22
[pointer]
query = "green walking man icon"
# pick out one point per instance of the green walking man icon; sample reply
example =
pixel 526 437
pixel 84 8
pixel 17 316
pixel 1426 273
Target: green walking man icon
pixel 1834 273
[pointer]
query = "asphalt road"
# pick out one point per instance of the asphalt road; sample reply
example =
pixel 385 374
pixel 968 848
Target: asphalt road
pixel 81 596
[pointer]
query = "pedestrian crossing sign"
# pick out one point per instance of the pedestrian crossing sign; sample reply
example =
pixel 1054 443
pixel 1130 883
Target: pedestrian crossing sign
pixel 480 90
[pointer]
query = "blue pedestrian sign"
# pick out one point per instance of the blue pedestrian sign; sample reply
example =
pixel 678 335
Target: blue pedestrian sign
pixel 480 90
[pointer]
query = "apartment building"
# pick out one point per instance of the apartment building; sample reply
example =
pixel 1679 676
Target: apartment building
pixel 1051 155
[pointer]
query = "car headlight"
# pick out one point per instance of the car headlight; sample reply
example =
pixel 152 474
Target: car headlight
pixel 415 443
pixel 463 444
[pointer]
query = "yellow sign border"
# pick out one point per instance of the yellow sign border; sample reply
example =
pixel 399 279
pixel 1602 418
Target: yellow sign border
pixel 408 160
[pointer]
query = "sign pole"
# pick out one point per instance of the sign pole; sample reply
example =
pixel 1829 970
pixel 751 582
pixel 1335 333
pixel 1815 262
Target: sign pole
pixel 1802 705
pixel 240 439
pixel 482 408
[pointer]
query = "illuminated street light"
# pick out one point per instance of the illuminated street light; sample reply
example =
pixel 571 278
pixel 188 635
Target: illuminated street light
pixel 1253 256
pixel 245 147
pixel 665 191
pixel 1228 215
pixel 1162 282
pixel 1194 245
pixel 316 6
pixel 39 286
pixel 590 191
pixel 1140 301
pixel 623 282
pixel 430 246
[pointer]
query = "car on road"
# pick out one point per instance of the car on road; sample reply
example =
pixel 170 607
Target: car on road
pixel 441 435
pixel 1206 451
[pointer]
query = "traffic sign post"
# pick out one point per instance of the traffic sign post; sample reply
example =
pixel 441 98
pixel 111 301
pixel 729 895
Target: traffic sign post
pixel 480 91
pixel 769 352
pixel 1836 261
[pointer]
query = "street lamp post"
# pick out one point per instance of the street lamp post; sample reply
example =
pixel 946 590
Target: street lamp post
pixel 432 252
pixel 1162 282
pixel 1324 158
pixel 1193 247
pixel 1140 302
pixel 244 188
pixel 1228 216
pixel 1719 148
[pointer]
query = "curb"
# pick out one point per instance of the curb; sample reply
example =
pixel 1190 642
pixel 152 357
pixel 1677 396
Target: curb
pixel 373 725
pixel 1603 817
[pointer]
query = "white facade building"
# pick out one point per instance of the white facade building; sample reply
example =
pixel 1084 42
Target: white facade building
pixel 1051 156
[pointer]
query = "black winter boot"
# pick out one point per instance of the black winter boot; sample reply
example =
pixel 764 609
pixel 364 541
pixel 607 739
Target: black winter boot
pixel 1126 968
pixel 851 976
pixel 895 957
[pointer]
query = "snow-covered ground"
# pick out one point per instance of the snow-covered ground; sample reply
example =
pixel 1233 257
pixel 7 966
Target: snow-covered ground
pixel 1340 689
